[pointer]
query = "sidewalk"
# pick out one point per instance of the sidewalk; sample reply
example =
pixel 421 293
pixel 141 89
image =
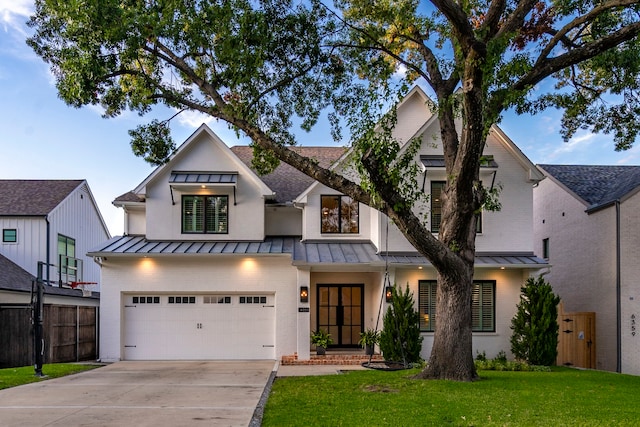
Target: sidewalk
pixel 305 370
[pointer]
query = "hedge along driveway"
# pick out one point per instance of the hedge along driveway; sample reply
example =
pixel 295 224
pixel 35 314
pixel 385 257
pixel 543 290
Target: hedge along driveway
pixel 563 397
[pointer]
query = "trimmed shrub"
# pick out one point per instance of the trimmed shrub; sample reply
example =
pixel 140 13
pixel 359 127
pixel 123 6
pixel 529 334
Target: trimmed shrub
pixel 535 325
pixel 400 339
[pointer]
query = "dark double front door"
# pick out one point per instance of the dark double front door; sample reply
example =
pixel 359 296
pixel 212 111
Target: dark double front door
pixel 340 312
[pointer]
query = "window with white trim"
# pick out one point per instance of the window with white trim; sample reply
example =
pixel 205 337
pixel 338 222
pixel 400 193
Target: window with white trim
pixel 483 307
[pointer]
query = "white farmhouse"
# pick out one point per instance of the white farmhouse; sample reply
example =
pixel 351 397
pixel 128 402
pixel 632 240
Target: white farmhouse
pixel 220 263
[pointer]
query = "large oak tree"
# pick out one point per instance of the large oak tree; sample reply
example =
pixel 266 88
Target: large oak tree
pixel 262 66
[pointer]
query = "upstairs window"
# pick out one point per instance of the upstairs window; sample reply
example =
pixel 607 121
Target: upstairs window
pixel 545 248
pixel 9 235
pixel 339 214
pixel 437 189
pixel 67 257
pixel 205 214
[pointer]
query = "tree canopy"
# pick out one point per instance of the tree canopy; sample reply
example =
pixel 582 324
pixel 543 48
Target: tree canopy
pixel 264 65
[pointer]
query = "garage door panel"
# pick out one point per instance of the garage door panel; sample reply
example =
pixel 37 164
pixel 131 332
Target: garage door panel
pixel 226 330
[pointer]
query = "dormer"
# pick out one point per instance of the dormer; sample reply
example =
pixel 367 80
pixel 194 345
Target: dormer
pixel 204 192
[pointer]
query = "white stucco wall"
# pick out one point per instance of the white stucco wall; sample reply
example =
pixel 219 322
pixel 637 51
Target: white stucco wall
pixel 312 215
pixel 508 283
pixel 582 256
pixel 163 217
pixel 135 220
pixel 198 274
pixel 283 221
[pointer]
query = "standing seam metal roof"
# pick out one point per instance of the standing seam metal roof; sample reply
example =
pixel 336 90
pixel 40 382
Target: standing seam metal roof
pixel 302 253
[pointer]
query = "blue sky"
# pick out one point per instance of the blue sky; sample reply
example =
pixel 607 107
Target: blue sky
pixel 43 138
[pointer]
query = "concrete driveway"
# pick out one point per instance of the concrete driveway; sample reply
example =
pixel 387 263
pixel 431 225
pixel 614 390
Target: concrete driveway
pixel 207 393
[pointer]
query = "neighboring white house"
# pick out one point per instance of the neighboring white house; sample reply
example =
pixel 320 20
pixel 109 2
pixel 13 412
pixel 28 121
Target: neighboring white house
pixel 220 263
pixel 587 225
pixel 49 222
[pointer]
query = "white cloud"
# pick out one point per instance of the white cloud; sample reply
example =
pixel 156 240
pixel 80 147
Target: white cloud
pixel 572 151
pixel 401 71
pixel 193 119
pixel 14 14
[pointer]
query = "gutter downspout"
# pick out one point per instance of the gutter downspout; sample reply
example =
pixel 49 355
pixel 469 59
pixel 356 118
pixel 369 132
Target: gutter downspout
pixel 48 275
pixel 618 292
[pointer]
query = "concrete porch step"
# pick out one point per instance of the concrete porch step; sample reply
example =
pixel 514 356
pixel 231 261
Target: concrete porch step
pixel 331 358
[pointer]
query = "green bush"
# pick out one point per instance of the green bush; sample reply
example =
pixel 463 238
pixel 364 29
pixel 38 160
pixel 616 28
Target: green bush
pixel 400 339
pixel 501 364
pixel 535 325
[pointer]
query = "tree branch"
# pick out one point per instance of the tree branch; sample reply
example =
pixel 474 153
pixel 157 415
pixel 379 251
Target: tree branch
pixel 460 24
pixel 546 67
pixel 516 19
pixel 492 19
pixel 593 13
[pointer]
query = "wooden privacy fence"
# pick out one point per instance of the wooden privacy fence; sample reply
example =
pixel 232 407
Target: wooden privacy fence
pixel 576 339
pixel 70 334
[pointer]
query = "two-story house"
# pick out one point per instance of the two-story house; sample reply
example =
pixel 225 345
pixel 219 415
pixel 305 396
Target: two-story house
pixel 587 225
pixel 47 228
pixel 220 263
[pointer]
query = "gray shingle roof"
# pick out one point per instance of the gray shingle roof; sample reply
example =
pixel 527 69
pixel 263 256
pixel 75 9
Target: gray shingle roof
pixel 596 185
pixel 286 181
pixel 129 197
pixel 20 197
pixel 14 278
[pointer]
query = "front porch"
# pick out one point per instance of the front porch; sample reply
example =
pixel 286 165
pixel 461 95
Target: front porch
pixel 333 357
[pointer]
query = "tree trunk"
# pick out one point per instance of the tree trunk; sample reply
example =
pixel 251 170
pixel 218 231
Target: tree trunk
pixel 451 356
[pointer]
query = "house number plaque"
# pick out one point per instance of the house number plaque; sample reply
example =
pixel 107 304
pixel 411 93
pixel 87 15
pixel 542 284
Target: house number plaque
pixel 633 325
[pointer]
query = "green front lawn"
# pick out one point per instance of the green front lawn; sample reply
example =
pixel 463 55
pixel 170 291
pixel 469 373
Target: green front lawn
pixel 11 377
pixel 563 397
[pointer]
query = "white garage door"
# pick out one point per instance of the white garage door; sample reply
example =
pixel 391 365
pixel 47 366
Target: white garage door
pixel 199 327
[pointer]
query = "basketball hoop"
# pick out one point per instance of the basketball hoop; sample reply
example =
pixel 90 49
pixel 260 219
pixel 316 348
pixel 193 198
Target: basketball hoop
pixel 85 292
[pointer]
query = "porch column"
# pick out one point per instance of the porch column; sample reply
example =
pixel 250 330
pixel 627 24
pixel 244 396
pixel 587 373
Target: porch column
pixel 304 315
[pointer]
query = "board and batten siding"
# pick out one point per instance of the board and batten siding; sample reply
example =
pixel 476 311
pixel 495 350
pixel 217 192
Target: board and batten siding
pixel 30 247
pixel 77 217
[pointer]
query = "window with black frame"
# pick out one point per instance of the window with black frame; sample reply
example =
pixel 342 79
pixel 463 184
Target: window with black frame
pixel 339 214
pixel 482 305
pixel 9 235
pixel 205 214
pixel 437 189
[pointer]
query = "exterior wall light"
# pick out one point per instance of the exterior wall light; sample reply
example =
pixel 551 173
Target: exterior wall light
pixel 388 294
pixel 304 294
